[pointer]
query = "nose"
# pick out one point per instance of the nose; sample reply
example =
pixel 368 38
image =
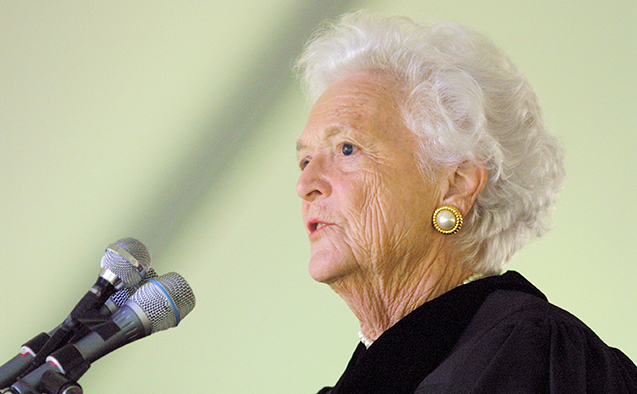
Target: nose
pixel 313 182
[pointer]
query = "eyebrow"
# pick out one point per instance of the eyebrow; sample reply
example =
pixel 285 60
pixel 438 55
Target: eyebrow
pixel 329 132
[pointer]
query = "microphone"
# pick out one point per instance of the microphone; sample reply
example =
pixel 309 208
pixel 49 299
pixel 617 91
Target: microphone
pixel 159 304
pixel 124 264
pixel 121 296
pixel 121 264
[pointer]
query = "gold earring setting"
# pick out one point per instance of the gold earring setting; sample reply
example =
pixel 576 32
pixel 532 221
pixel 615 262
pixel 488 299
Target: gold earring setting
pixel 447 219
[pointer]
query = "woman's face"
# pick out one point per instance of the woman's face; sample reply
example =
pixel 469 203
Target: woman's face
pixel 366 206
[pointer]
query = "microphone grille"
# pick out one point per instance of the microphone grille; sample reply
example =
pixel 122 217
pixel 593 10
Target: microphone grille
pixel 120 297
pixel 165 300
pixel 127 258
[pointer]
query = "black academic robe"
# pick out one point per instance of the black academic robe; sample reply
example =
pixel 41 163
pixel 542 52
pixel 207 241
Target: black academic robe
pixel 495 335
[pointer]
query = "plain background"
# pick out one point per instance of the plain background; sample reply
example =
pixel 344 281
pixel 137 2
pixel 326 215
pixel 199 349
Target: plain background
pixel 175 122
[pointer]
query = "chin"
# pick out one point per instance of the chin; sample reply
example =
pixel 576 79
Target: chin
pixel 320 273
pixel 326 270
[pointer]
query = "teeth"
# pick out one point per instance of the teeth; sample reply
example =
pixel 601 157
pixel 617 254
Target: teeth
pixel 319 225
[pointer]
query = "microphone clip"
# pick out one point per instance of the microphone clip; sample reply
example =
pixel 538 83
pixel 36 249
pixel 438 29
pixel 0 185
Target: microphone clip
pixel 54 382
pixel 51 382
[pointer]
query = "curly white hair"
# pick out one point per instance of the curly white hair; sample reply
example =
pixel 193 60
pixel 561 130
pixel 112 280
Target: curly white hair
pixel 466 101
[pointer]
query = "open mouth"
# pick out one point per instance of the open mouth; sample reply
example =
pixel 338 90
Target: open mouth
pixel 315 225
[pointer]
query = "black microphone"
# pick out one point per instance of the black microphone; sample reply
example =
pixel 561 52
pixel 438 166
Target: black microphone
pixel 123 265
pixel 159 304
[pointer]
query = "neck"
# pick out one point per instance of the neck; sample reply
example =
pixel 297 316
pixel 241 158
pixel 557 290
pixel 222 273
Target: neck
pixel 380 300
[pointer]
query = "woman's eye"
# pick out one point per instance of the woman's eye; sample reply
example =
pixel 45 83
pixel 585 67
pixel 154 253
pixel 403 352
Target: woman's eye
pixel 304 163
pixel 347 149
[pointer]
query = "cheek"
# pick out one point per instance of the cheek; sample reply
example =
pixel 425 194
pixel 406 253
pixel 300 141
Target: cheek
pixel 369 214
pixel 385 215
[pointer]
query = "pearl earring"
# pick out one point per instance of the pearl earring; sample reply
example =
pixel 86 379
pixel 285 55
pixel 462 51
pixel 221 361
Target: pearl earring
pixel 447 219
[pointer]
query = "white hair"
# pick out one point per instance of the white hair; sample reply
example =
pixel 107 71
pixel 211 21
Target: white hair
pixel 466 101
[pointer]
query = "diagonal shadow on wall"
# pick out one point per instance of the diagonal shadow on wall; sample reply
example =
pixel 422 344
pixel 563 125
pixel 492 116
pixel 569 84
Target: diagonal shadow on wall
pixel 193 182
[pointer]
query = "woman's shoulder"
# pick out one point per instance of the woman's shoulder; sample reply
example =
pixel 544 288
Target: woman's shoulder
pixel 520 342
pixel 514 302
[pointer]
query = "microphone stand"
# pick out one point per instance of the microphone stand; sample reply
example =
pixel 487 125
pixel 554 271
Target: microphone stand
pixel 51 382
pixel 62 369
pixel 18 364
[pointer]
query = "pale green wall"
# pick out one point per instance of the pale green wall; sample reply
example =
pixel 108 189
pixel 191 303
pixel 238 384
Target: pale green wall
pixel 175 123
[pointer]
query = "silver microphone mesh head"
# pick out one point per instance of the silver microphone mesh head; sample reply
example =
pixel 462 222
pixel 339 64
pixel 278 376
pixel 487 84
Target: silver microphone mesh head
pixel 165 300
pixel 128 259
pixel 121 296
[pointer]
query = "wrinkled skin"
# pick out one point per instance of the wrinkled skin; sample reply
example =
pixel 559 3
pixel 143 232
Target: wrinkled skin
pixel 372 199
pixel 367 208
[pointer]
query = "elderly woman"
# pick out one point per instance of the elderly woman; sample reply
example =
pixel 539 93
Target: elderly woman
pixel 425 166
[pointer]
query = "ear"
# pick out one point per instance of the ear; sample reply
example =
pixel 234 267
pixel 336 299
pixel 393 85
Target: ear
pixel 465 182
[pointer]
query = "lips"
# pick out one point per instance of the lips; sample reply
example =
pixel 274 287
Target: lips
pixel 316 225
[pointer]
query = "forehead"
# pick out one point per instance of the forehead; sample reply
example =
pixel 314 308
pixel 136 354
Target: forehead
pixel 356 103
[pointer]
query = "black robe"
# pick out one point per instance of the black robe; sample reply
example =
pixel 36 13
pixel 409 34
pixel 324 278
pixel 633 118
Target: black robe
pixel 495 335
